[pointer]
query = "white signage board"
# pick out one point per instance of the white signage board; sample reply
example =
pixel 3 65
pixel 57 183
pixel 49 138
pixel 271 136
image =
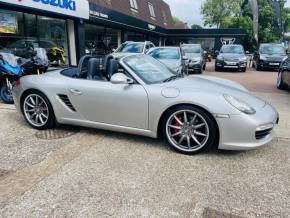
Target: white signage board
pixel 74 8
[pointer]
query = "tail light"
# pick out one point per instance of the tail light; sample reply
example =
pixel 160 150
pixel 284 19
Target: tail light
pixel 17 83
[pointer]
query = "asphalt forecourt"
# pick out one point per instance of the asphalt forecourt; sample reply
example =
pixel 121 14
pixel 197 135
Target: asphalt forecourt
pixel 91 173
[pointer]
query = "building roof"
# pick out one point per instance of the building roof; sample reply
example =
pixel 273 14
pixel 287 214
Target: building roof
pixel 163 16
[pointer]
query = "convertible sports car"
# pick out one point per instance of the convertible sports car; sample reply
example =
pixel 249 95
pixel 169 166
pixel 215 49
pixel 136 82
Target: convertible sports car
pixel 139 95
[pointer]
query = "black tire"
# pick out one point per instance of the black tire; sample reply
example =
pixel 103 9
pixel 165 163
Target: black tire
pixel 51 121
pixel 257 66
pixel 280 81
pixel 243 70
pixel 6 95
pixel 217 69
pixel 210 129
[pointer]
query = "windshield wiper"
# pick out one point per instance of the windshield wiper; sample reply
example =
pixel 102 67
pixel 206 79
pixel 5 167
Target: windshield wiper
pixel 173 78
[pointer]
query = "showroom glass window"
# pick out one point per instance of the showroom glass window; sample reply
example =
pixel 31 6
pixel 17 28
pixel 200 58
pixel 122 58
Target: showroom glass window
pixel 100 40
pixel 18 30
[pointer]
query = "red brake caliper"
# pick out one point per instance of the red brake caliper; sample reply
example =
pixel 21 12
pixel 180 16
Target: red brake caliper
pixel 176 124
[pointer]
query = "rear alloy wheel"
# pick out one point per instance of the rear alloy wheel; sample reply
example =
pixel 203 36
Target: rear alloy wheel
pixel 189 130
pixel 280 81
pixel 38 111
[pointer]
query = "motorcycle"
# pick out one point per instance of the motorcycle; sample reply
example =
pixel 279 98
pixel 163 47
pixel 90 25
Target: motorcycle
pixel 13 67
pixel 38 62
pixel 10 72
pixel 56 56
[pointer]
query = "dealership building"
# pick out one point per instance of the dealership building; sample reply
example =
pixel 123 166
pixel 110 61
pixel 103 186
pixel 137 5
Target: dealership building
pixel 76 24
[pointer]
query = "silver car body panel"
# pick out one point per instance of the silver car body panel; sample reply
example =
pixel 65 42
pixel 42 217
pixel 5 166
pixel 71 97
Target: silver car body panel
pixel 138 108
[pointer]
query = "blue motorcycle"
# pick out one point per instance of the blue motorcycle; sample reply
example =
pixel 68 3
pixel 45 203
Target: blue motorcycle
pixel 10 72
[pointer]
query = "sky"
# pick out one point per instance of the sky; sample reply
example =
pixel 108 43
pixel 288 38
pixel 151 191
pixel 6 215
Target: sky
pixel 189 10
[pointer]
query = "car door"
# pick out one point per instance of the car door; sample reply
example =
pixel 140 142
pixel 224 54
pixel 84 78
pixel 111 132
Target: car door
pixel 116 104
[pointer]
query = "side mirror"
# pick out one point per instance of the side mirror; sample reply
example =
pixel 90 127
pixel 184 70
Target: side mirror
pixel 120 78
pixel 205 52
pixel 185 58
pixel 247 52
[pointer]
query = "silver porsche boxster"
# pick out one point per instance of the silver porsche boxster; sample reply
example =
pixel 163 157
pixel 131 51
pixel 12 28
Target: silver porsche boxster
pixel 139 95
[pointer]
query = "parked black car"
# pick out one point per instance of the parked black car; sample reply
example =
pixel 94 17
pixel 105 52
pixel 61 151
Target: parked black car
pixel 196 57
pixel 283 79
pixel 231 57
pixel 269 56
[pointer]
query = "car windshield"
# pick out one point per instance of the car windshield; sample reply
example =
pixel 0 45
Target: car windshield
pixel 131 48
pixel 148 69
pixel 272 49
pixel 235 49
pixel 188 49
pixel 165 53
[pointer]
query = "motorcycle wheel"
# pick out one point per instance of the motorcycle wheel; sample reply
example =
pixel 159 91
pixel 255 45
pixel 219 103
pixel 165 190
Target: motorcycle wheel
pixel 6 95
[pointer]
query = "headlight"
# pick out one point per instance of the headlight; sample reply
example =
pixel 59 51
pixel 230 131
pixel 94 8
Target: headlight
pixel 263 58
pixel 220 58
pixel 196 60
pixel 285 58
pixel 239 104
pixel 244 59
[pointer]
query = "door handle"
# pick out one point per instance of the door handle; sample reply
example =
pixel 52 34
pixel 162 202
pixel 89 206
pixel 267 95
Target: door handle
pixel 75 92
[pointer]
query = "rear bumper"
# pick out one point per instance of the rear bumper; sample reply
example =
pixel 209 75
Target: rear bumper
pixel 243 132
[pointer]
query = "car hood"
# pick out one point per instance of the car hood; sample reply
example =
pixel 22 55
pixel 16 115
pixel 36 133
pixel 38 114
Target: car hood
pixel 215 85
pixel 278 57
pixel 232 55
pixel 172 64
pixel 191 56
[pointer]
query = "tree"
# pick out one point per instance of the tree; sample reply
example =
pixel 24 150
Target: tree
pixel 217 13
pixel 239 15
pixel 176 21
pixel 196 26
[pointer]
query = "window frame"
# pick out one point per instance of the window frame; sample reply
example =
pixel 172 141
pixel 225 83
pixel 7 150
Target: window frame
pixel 151 10
pixel 133 4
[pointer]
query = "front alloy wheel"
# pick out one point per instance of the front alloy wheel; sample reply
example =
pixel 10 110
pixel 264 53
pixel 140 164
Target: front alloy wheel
pixel 190 130
pixel 38 111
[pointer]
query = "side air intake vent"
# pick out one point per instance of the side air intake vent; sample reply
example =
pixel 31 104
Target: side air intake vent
pixel 67 102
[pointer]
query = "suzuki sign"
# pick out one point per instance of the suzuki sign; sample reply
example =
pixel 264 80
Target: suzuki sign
pixel 74 8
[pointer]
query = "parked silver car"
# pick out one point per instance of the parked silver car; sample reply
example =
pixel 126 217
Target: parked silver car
pixel 171 57
pixel 196 57
pixel 131 47
pixel 142 96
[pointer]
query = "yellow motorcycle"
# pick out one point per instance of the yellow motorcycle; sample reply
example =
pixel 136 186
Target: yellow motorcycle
pixel 56 56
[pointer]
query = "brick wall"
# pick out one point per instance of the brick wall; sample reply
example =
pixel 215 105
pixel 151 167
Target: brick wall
pixel 163 15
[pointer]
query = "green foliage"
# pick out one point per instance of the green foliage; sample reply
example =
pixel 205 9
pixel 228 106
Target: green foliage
pixel 235 14
pixel 196 26
pixel 176 20
pixel 217 13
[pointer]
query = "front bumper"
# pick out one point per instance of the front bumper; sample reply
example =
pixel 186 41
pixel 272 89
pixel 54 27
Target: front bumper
pixel 231 64
pixel 194 66
pixel 269 64
pixel 245 132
